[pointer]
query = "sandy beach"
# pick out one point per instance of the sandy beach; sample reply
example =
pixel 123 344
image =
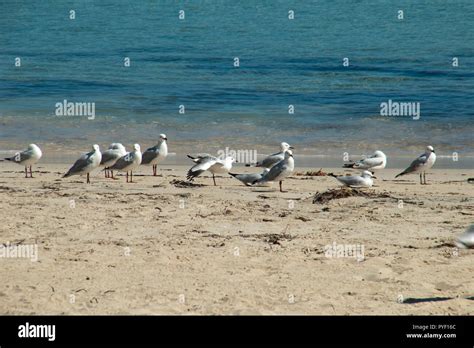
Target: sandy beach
pixel 157 246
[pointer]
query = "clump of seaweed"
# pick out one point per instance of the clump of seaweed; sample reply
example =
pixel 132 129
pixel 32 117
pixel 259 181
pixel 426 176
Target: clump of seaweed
pixel 184 184
pixel 312 173
pixel 345 192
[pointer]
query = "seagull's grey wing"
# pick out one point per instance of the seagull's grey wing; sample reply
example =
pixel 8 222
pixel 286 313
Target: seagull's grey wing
pixel 150 154
pixel 80 164
pixel 122 162
pixel 274 172
pixel 415 165
pixel 204 164
pixel 199 168
pixel 108 156
pixel 271 160
pixel 351 180
pixel 369 162
pixel 21 156
pixel 247 179
pixel 201 157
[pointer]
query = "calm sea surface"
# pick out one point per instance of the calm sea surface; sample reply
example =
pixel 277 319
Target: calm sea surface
pixel 283 62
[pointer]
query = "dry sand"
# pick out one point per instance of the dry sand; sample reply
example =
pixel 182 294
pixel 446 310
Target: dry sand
pixel 151 247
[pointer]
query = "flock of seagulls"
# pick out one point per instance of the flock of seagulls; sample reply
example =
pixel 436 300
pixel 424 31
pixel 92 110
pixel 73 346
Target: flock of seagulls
pixel 117 158
pixel 276 167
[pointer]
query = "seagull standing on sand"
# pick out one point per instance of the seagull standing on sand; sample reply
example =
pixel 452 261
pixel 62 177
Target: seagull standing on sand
pixel 210 163
pixel 271 160
pixel 129 162
pixel 86 163
pixel 248 179
pixel 423 163
pixel 27 158
pixel 364 180
pixel 111 156
pixel 153 155
pixel 279 171
pixel 375 162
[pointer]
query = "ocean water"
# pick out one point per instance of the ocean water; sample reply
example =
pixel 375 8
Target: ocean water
pixel 283 62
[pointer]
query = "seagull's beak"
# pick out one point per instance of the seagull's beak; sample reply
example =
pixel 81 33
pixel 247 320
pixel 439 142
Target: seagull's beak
pixel 433 151
pixel 374 177
pixel 291 147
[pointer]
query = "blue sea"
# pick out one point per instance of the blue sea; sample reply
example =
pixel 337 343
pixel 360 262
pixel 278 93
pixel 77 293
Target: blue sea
pixel 190 62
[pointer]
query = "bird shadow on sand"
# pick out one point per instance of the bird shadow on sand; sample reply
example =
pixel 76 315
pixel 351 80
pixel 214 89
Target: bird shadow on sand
pixel 413 300
pixel 265 190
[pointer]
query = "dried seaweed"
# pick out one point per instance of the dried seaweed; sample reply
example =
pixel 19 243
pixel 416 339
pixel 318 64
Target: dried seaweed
pixel 329 195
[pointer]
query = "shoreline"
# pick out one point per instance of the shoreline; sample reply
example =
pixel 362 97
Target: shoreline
pixel 56 155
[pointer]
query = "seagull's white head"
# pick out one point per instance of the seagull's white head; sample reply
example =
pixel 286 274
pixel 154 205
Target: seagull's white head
pixel 367 174
pixel 136 147
pixel 163 137
pixel 96 148
pixel 430 149
pixel 285 146
pixel 34 147
pixel 230 159
pixel 116 146
pixel 379 153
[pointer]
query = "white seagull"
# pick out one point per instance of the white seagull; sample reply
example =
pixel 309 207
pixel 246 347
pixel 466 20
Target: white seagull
pixel 27 158
pixel 111 156
pixel 375 162
pixel 86 163
pixel 279 171
pixel 248 179
pixel 210 163
pixel 271 160
pixel 423 163
pixel 363 180
pixel 129 162
pixel 153 155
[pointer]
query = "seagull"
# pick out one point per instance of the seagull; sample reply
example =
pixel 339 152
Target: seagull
pixel 86 163
pixel 112 155
pixel 210 163
pixel 377 161
pixel 27 158
pixel 423 163
pixel 279 171
pixel 466 240
pixel 154 155
pixel 364 180
pixel 129 162
pixel 271 160
pixel 248 179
